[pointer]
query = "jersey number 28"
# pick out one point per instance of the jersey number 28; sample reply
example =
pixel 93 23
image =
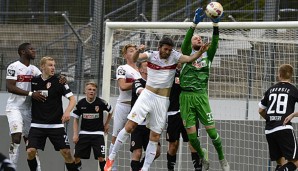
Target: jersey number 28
pixel 280 101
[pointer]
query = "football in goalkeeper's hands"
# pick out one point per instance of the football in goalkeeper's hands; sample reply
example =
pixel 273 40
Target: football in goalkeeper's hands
pixel 214 10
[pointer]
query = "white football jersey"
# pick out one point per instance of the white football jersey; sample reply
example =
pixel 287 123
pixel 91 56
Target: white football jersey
pixel 129 74
pixel 161 72
pixel 23 75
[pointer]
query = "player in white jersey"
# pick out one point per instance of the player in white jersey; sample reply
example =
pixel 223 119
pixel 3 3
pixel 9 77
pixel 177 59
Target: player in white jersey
pixel 154 99
pixel 125 76
pixel 18 108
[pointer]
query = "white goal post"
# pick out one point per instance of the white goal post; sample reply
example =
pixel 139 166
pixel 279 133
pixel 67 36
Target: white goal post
pixel 245 65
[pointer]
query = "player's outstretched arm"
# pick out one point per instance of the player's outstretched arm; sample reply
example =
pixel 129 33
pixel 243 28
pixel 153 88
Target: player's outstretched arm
pixel 186 48
pixel 215 38
pixel 138 53
pixel 199 16
pixel 186 59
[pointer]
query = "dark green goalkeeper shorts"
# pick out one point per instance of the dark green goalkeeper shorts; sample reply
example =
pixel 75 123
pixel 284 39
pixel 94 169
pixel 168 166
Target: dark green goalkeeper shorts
pixel 194 106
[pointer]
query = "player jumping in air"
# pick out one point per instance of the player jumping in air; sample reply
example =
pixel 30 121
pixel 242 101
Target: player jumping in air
pixel 125 75
pixel 194 102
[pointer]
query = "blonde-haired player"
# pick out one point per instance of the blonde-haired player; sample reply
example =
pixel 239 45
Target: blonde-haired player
pixel 125 76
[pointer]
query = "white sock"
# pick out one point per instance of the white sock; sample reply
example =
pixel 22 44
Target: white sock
pixel 121 138
pixel 38 161
pixel 111 148
pixel 14 153
pixel 114 167
pixel 150 155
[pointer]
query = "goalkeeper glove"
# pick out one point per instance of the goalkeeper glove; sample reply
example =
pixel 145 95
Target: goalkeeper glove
pixel 199 15
pixel 216 20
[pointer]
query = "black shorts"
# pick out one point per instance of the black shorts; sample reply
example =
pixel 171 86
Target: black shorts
pixel 86 142
pixel 139 138
pixel 176 127
pixel 38 136
pixel 282 143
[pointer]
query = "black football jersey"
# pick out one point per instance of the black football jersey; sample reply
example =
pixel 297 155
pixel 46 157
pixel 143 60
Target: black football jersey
pixel 175 93
pixel 91 114
pixel 279 101
pixel 139 83
pixel 51 110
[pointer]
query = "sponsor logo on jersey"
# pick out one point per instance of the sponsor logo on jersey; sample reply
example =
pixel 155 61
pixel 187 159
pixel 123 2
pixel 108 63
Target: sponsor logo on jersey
pixel 24 78
pixel 90 115
pixel 157 67
pixel 200 64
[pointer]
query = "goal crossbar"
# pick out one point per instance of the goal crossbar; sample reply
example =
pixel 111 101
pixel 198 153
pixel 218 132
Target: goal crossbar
pixel 111 26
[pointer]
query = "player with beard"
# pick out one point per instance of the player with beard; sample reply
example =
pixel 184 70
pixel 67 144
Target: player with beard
pixel 176 128
pixel 194 100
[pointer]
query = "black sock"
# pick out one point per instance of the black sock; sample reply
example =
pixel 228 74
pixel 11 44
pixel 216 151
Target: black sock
pixel 171 161
pixel 32 164
pixel 197 162
pixel 288 167
pixel 71 166
pixel 142 161
pixel 135 165
pixel 102 165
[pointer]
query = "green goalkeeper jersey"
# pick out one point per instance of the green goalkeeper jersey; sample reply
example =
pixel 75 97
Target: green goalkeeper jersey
pixel 194 75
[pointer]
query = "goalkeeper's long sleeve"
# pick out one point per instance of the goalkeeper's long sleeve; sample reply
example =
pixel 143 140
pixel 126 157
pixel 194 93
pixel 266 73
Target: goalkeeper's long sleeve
pixel 186 48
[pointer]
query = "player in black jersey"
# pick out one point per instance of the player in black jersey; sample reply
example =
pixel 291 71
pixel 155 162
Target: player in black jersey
pixel 48 116
pixel 176 128
pixel 140 136
pixel 91 135
pixel 277 108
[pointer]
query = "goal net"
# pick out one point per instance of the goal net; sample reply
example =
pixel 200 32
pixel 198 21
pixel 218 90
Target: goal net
pixel 245 65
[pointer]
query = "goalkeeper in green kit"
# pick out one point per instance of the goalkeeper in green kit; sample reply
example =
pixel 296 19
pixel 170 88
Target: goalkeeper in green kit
pixel 194 102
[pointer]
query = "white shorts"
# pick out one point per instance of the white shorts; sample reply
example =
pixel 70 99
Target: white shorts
pixel 19 121
pixel 120 117
pixel 151 107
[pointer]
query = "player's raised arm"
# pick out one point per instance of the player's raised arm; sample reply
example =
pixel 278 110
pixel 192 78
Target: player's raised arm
pixel 138 53
pixel 191 58
pixel 186 47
